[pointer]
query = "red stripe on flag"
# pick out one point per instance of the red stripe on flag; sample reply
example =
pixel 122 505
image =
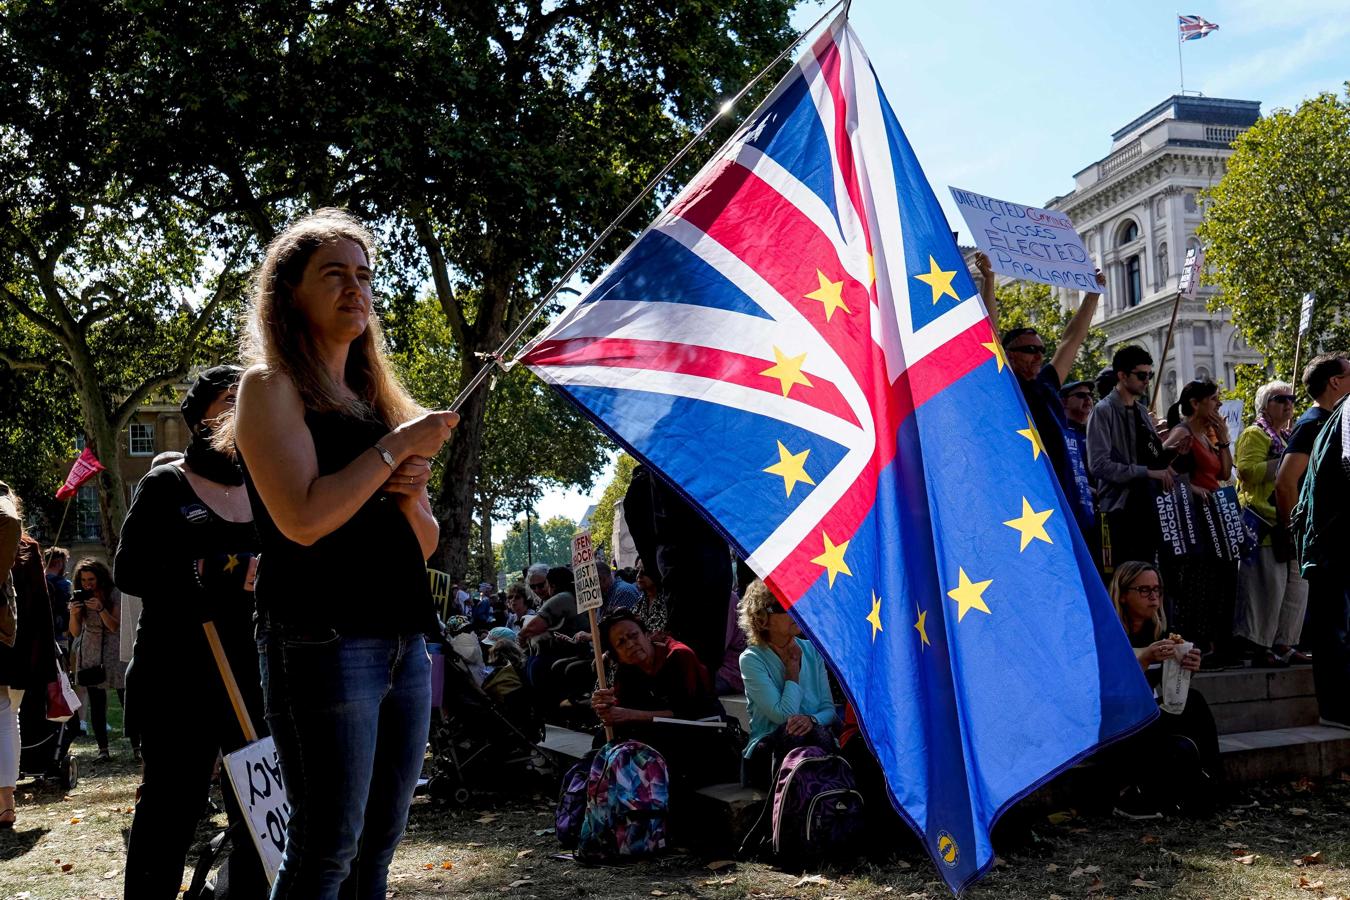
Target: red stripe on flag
pixel 829 59
pixel 689 359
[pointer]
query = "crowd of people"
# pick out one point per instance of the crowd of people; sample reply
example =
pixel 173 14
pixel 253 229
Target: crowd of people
pixel 285 552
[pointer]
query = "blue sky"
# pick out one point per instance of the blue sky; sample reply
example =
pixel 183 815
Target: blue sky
pixel 1011 99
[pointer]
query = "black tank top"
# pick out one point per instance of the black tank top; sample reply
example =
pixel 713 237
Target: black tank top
pixel 366 579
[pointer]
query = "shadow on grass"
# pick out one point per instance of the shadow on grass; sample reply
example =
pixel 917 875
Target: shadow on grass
pixel 17 841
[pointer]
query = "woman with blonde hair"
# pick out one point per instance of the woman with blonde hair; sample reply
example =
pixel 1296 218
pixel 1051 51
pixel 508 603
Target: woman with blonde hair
pixel 1271 595
pixel 1160 759
pixel 336 462
pixel 787 690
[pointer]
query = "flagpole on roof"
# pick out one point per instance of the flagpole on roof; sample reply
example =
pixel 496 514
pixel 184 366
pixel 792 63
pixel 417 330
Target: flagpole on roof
pixel 1181 71
pixel 496 359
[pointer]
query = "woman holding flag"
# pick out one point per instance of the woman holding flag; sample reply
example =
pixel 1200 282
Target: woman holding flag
pixel 336 458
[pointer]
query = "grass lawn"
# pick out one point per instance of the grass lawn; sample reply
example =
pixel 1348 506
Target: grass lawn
pixel 1278 841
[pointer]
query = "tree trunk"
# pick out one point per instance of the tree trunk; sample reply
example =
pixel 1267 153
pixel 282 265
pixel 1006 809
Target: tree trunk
pixel 489 564
pixel 105 441
pixel 455 501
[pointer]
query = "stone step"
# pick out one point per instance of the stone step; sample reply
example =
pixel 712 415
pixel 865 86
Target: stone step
pixel 1283 753
pixel 1244 700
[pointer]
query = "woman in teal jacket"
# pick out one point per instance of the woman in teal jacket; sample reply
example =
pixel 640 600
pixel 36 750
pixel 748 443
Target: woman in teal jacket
pixel 786 687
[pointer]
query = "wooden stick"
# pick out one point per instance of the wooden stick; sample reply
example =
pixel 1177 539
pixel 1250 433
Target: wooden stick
pixel 231 686
pixel 1162 360
pixel 56 541
pixel 599 664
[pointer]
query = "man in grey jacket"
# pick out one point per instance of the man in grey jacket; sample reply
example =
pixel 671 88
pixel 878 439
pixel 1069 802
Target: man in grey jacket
pixel 1124 455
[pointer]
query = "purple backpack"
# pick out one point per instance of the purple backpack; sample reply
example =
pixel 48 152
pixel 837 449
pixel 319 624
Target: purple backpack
pixel 627 803
pixel 572 802
pixel 817 810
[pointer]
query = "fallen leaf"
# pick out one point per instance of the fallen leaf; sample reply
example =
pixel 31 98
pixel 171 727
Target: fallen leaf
pixel 1304 884
pixel 1092 869
pixel 1141 883
pixel 429 866
pixel 487 819
pixel 1304 785
pixel 718 865
pixel 540 832
pixel 1097 885
pixel 1059 818
pixel 715 881
pixel 75 820
pixel 1052 868
pixel 1148 839
pixel 658 893
pixel 1077 873
pixel 1054 897
pixel 66 867
pixel 1297 811
pixel 1235 845
pixel 1246 860
pixel 811 879
pixel 110 874
pixel 1310 859
pixel 520 882
pixel 447 865
pixel 524 853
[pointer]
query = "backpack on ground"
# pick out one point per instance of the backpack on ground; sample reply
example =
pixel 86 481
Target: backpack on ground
pixel 817 810
pixel 627 803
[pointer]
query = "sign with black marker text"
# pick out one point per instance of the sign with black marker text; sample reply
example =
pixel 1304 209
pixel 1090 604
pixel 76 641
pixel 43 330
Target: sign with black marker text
pixel 1028 243
pixel 255 775
pixel 587 579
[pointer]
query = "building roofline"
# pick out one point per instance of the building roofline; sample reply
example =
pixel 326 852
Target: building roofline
pixel 1232 112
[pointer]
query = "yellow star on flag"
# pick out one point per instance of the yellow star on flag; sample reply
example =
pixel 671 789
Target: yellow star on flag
pixel 833 558
pixel 231 563
pixel 968 595
pixel 788 370
pixel 921 626
pixel 871 269
pixel 1031 525
pixel 874 617
pixel 939 281
pixel 1030 433
pixel 830 294
pixel 994 347
pixel 791 467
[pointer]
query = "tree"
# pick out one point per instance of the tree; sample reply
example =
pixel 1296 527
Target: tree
pixel 602 519
pixel 550 543
pixel 1028 304
pixel 1278 226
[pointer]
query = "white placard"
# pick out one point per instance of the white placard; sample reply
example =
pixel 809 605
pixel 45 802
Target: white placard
pixel 1305 314
pixel 255 775
pixel 1190 272
pixel 1028 243
pixel 587 580
pixel 1231 410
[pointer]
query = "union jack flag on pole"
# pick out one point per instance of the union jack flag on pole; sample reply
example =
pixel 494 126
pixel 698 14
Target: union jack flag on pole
pixel 797 346
pixel 1192 28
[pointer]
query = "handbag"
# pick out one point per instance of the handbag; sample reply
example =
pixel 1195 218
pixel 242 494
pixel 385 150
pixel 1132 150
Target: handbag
pixel 62 701
pixel 92 676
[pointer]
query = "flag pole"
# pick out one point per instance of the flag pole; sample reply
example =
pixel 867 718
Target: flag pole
pixel 56 541
pixel 1162 360
pixel 1181 71
pixel 514 337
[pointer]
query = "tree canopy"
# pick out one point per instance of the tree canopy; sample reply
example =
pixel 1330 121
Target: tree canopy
pixel 1028 304
pixel 1277 226
pixel 550 542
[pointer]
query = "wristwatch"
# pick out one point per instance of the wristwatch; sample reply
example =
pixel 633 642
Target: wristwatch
pixel 386 456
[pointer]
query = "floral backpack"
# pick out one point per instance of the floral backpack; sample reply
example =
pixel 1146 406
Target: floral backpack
pixel 627 803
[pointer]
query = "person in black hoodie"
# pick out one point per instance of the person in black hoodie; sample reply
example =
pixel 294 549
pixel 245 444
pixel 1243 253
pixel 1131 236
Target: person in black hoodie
pixel 187 548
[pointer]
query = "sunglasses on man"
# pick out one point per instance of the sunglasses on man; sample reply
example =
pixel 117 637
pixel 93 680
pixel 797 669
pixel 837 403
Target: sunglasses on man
pixel 1143 376
pixel 1029 349
pixel 1080 395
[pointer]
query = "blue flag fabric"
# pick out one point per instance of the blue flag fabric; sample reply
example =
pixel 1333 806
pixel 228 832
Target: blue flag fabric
pixel 797 346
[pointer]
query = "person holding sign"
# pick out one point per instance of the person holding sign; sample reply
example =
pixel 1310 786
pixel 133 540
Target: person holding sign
pixel 336 461
pixel 187 548
pixel 1041 381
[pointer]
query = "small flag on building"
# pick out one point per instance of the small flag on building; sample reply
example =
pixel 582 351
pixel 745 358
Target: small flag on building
pixel 1192 28
pixel 86 466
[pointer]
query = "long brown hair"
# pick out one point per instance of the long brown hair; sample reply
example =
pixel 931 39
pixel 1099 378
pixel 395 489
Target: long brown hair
pixel 277 335
pixel 1126 575
pixel 101 572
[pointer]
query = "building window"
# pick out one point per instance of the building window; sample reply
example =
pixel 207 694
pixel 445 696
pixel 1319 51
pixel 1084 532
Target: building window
pixel 1160 208
pixel 1134 288
pixel 1202 374
pixel 88 521
pixel 1200 336
pixel 142 441
pixel 1128 232
pixel 79 443
pixel 1190 202
pixel 1163 269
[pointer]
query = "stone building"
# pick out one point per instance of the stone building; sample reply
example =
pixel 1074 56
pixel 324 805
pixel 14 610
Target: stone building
pixel 1137 211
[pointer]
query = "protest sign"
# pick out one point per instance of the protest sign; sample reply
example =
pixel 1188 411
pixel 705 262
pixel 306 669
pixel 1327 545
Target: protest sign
pixel 255 775
pixel 583 572
pixel 1028 243
pixel 1305 313
pixel 1231 410
pixel 1190 272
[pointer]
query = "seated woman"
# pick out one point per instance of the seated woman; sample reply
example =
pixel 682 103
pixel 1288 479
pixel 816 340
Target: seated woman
pixel 661 679
pixel 1151 756
pixel 786 688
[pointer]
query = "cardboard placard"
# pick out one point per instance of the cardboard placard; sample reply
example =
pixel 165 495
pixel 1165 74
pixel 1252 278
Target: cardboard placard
pixel 587 580
pixel 255 775
pixel 1305 313
pixel 1190 272
pixel 1028 243
pixel 1176 518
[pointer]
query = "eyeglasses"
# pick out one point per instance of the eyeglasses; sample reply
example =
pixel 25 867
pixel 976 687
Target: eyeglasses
pixel 1029 349
pixel 537 586
pixel 1081 395
pixel 1143 376
pixel 1282 398
pixel 1148 590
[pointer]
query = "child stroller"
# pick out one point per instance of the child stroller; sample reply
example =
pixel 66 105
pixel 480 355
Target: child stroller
pixel 44 745
pixel 476 740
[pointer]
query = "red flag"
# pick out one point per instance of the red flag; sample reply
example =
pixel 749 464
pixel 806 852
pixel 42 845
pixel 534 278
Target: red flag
pixel 86 466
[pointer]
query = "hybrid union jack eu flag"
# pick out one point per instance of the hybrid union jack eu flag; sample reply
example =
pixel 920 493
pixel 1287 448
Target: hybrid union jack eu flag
pixel 796 345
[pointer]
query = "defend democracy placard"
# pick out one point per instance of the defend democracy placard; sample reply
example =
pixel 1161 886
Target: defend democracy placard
pixel 1028 243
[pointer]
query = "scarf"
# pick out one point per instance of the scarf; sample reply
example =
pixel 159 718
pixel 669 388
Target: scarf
pixel 1277 438
pixel 209 462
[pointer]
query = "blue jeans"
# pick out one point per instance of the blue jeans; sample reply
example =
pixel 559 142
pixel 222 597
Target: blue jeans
pixel 350 718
